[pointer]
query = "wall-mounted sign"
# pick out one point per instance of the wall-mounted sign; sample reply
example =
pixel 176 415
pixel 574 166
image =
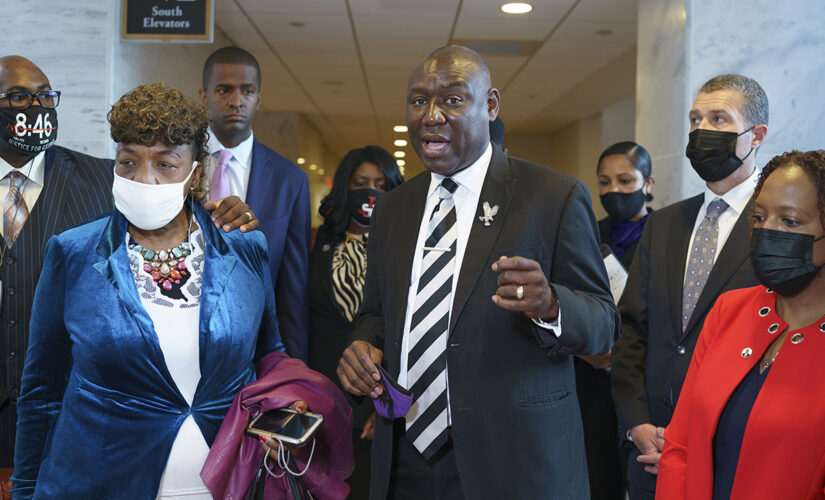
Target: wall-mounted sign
pixel 168 20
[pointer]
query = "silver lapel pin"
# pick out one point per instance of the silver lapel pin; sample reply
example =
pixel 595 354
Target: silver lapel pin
pixel 489 213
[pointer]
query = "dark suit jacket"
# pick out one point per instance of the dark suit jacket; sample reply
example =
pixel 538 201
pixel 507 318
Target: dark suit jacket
pixel 278 193
pixel 515 417
pixel 76 188
pixel 651 359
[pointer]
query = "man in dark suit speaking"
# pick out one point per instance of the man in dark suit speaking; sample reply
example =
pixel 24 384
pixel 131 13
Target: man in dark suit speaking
pixel 690 253
pixel 484 276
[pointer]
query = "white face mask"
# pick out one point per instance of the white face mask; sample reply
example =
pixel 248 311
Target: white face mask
pixel 149 206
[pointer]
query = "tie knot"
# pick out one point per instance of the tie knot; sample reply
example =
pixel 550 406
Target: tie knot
pixel 16 178
pixel 224 156
pixel 448 187
pixel 716 208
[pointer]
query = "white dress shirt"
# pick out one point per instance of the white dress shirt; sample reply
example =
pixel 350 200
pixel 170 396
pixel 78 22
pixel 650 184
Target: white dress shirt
pixel 30 188
pixel 466 198
pixel 240 165
pixel 737 199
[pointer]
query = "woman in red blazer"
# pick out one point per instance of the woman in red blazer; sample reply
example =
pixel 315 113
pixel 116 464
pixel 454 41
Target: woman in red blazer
pixel 750 423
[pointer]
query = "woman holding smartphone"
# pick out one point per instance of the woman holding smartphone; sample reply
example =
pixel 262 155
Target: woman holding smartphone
pixel 145 324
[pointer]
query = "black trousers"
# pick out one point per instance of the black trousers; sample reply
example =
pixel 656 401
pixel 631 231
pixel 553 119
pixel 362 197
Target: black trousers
pixel 601 433
pixel 414 478
pixel 8 426
pixel 359 481
pixel 640 484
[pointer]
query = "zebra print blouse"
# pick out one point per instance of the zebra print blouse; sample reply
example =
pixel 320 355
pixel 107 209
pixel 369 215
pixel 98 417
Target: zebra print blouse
pixel 349 269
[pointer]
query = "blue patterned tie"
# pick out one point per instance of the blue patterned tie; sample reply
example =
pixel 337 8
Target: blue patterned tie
pixel 702 255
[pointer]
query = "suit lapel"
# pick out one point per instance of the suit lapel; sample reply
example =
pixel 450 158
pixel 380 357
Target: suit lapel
pixel 59 186
pixel 402 239
pixel 260 179
pixel 730 260
pixel 114 267
pixel 498 189
pixel 217 269
pixel 678 241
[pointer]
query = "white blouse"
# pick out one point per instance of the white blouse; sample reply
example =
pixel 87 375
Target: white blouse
pixel 176 325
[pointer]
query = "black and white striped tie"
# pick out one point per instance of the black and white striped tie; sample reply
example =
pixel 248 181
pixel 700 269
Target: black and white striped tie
pixel 427 346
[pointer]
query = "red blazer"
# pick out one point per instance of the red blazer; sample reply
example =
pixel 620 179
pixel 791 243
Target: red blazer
pixel 783 450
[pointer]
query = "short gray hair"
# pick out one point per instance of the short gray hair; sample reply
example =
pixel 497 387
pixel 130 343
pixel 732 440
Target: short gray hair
pixel 754 100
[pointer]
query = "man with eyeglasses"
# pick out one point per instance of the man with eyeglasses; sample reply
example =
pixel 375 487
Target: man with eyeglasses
pixel 45 189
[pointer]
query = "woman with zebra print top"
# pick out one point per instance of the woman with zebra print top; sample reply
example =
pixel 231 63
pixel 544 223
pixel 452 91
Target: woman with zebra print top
pixel 337 268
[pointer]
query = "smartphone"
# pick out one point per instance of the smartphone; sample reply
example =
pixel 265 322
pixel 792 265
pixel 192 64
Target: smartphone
pixel 286 425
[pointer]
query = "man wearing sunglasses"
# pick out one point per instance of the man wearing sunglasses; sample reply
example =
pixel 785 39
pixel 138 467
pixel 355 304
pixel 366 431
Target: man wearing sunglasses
pixel 45 189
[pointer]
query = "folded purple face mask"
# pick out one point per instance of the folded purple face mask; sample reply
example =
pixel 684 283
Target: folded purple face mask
pixel 394 401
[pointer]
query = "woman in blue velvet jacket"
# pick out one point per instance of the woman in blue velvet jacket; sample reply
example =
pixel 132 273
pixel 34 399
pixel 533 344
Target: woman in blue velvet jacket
pixel 145 324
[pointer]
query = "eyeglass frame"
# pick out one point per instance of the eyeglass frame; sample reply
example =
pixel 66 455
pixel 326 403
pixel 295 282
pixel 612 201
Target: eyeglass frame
pixel 32 97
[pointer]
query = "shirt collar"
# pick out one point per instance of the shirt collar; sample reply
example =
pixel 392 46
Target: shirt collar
pixel 34 172
pixel 471 178
pixel 242 152
pixel 738 197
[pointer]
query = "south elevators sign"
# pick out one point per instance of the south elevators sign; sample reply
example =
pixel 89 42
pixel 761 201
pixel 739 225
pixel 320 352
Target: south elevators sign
pixel 168 20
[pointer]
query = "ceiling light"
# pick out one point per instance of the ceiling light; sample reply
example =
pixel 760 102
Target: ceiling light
pixel 516 8
pixel 399 154
pixel 313 166
pixel 399 128
pixel 301 161
pixel 400 143
pixel 402 170
pixel 320 171
pixel 400 163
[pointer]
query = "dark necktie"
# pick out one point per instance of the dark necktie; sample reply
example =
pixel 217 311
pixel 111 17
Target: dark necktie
pixel 427 345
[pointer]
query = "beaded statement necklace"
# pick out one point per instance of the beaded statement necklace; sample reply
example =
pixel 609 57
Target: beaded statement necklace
pixel 167 267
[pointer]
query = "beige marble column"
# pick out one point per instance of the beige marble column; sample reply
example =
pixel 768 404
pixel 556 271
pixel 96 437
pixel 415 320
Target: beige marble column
pixel 683 43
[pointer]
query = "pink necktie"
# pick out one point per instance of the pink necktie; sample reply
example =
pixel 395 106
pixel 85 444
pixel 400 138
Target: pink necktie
pixel 220 179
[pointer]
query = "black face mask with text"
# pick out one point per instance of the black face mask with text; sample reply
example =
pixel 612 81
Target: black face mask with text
pixel 783 261
pixel 623 206
pixel 360 203
pixel 29 130
pixel 712 153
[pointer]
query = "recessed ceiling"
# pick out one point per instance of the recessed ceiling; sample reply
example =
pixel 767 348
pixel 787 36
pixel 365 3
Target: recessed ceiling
pixel 345 64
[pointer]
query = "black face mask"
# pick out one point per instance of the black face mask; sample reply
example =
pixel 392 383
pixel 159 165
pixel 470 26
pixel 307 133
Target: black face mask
pixel 783 261
pixel 360 203
pixel 30 130
pixel 712 153
pixel 622 206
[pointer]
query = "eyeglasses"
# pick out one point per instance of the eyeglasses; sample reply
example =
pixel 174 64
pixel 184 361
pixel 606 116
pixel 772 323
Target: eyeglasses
pixel 24 100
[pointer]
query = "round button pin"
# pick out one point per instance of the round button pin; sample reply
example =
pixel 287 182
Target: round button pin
pixel 746 352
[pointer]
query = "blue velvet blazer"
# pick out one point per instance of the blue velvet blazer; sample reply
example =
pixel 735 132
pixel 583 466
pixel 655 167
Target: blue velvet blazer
pixel 99 410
